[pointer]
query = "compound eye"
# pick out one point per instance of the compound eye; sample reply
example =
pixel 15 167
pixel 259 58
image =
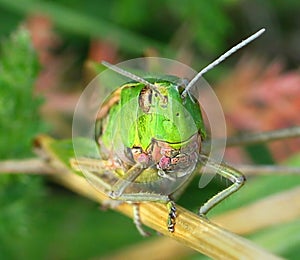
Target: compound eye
pixel 145 99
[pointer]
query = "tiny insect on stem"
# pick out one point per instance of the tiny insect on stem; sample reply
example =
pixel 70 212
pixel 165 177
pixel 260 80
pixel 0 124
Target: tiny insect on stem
pixel 220 59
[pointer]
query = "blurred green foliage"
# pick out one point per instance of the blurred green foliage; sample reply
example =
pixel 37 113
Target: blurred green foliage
pixel 19 123
pixel 19 116
pixel 205 27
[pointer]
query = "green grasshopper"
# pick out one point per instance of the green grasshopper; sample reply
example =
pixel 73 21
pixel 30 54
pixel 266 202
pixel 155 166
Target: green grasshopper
pixel 150 133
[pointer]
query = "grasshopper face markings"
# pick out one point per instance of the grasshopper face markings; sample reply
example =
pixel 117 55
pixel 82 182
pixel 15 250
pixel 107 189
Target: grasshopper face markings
pixel 159 130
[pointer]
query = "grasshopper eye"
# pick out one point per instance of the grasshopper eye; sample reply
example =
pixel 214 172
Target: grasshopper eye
pixel 145 99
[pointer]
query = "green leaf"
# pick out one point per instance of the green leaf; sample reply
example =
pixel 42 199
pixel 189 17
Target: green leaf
pixel 283 240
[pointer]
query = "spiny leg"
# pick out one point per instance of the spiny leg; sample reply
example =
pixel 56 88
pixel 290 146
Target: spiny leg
pixel 171 221
pixel 94 166
pixel 120 186
pixel 93 169
pixel 152 197
pixel 171 216
pixel 236 177
pixel 137 220
pixel 130 176
pixel 90 164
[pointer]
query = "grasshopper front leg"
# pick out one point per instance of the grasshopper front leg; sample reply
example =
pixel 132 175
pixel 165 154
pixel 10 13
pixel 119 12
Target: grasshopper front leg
pixel 96 169
pixel 236 177
pixel 119 187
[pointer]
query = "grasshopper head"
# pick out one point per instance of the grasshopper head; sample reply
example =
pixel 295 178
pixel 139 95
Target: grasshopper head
pixel 158 128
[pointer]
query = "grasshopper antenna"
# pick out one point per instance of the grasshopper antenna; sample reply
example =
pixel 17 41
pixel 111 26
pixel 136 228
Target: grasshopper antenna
pixel 131 76
pixel 220 59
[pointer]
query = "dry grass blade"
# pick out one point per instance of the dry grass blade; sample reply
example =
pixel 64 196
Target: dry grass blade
pixel 192 231
pixel 28 166
pixel 278 208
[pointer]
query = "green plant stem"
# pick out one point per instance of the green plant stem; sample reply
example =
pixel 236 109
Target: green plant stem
pixel 253 138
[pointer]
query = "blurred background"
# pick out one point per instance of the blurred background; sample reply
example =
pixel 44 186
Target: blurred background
pixel 43 73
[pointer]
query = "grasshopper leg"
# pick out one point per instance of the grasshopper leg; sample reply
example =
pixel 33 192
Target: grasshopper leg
pixel 172 216
pixel 137 220
pixel 117 193
pixel 236 177
pixel 122 184
pixel 130 176
pixel 94 168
